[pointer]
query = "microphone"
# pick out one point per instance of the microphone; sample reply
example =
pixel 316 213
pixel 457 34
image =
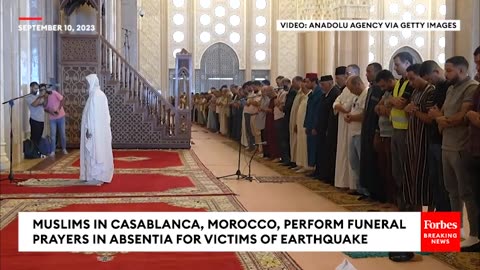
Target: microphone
pixel 260 143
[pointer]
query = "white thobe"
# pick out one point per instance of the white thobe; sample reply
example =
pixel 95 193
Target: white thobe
pixel 343 173
pixel 292 124
pixel 96 156
pixel 244 139
pixel 301 157
pixel 223 115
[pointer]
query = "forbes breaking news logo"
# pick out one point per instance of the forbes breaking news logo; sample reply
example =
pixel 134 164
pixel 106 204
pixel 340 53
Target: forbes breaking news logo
pixel 441 231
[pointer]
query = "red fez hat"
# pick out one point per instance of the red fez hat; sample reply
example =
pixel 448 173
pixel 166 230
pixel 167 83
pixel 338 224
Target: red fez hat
pixel 311 76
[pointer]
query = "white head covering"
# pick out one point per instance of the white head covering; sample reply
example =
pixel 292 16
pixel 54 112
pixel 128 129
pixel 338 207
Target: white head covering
pixel 93 83
pixel 96 157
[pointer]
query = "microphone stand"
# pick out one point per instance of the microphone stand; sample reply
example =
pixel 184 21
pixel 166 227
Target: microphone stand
pixel 11 176
pixel 249 177
pixel 238 173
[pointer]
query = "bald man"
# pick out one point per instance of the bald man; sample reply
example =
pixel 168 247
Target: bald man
pixel 354 119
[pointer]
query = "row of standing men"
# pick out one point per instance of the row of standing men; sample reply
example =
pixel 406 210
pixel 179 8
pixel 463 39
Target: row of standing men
pixel 412 141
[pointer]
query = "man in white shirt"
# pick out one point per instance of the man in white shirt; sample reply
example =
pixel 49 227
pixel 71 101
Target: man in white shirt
pixel 354 120
pixel 250 112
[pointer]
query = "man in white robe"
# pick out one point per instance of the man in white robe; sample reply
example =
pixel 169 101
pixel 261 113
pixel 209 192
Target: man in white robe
pixel 342 106
pixel 96 156
pixel 292 128
pixel 301 157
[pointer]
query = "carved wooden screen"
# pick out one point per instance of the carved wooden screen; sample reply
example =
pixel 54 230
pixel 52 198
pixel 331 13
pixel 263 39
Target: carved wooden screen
pixel 219 66
pixel 78 58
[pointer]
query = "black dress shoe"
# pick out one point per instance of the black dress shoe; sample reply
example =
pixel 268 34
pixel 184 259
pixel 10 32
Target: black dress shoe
pixel 362 197
pixel 401 256
pixel 474 248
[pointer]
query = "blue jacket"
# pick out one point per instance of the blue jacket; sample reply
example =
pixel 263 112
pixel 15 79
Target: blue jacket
pixel 311 116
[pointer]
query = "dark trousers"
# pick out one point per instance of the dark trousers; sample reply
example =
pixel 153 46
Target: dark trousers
pixel 384 164
pixel 36 131
pixel 474 168
pixel 283 139
pixel 435 171
pixel 399 157
pixel 217 117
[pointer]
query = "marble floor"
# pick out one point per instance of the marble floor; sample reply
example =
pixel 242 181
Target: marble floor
pixel 274 197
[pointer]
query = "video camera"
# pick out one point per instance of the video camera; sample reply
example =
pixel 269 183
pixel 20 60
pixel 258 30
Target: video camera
pixel 47 87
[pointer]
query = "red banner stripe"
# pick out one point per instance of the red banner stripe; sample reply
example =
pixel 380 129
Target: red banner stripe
pixel 30 18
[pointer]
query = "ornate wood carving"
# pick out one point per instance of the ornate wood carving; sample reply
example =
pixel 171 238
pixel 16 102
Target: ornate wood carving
pixel 141 118
pixel 79 48
pixel 69 6
pixel 74 90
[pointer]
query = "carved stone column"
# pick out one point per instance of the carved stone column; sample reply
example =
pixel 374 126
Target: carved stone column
pixel 288 52
pixel 130 22
pixel 10 83
pixel 4 16
pixel 164 55
pixel 274 60
pixel 311 52
pixel 248 44
pixel 465 41
pixel 307 11
pixel 352 47
pixel 118 24
pixel 326 53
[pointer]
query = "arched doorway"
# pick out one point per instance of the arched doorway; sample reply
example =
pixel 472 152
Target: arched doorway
pixel 219 66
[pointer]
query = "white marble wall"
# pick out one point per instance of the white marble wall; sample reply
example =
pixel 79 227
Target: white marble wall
pixel 3 154
pixel 467 40
pixel 10 83
pixel 129 21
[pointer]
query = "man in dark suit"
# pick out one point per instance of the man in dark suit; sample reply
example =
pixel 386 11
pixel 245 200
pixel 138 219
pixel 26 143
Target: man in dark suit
pixel 326 129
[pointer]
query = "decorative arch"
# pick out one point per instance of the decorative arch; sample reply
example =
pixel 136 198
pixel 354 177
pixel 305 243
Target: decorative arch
pixel 417 58
pixel 69 6
pixel 219 65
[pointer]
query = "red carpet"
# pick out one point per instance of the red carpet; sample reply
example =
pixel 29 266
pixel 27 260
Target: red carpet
pixel 132 159
pixel 11 259
pixel 127 184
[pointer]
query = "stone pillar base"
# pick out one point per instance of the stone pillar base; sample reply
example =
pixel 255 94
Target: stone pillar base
pixel 4 161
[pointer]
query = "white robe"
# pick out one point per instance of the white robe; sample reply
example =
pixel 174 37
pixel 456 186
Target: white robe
pixel 96 156
pixel 301 157
pixel 293 122
pixel 343 173
pixel 223 115
pixel 244 139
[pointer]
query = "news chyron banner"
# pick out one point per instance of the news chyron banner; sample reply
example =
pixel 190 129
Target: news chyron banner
pixel 367 25
pixel 239 232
